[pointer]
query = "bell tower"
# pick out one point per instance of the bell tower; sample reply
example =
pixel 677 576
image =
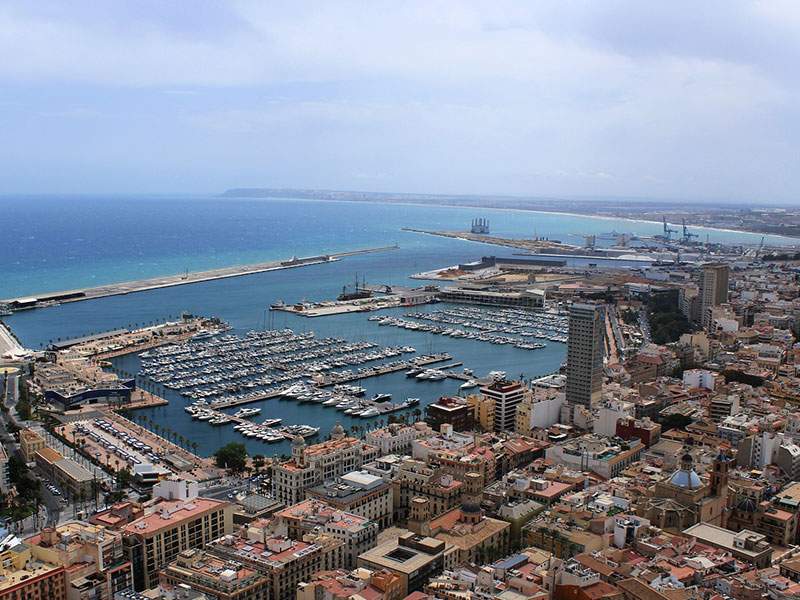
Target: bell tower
pixel 719 476
pixel 471 498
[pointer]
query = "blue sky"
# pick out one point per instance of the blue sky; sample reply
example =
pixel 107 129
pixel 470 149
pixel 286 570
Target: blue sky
pixel 614 98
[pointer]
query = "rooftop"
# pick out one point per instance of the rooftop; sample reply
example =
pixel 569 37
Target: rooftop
pixel 316 511
pixel 168 514
pixel 724 538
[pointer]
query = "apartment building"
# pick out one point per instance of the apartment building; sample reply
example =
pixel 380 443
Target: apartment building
pixel 155 539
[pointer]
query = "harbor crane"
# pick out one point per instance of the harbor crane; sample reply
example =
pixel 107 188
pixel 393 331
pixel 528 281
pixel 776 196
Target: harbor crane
pixel 687 235
pixel 667 230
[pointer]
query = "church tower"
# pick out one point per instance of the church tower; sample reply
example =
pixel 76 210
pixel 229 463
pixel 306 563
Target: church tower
pixel 471 498
pixel 719 476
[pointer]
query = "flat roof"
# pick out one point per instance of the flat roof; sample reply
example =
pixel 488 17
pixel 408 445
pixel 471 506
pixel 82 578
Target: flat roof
pixel 168 514
pixel 362 479
pixel 87 338
pixel 406 561
pixel 74 470
pixel 721 537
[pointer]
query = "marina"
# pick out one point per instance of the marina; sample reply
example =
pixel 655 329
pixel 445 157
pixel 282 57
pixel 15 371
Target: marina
pixel 515 327
pixel 229 370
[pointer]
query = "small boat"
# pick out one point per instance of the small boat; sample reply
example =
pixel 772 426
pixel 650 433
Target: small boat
pixel 381 397
pixel 370 412
pixel 469 384
pixel 271 422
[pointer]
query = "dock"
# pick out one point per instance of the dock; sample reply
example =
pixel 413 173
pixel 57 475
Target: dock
pixel 420 361
pixel 143 285
pixel 330 381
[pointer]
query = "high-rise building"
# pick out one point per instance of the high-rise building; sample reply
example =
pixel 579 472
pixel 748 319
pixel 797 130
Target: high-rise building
pixel 585 351
pixel 713 289
pixel 506 396
pixel 172 526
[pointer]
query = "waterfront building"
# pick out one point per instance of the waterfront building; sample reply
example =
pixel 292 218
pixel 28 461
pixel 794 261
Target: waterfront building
pixel 96 567
pixel 396 438
pixel 24 578
pixel 360 493
pixel 453 411
pixel 312 465
pixel 506 396
pixel 585 351
pixel 713 289
pixel 467 294
pixel 215 577
pixel 357 532
pixel 170 527
pixel 66 389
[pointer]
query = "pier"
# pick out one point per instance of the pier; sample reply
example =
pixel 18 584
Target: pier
pixel 386 369
pixel 330 381
pixel 142 285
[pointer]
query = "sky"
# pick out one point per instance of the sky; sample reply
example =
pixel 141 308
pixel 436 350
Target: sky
pixel 690 100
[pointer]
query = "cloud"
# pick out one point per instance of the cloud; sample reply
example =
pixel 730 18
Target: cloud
pixel 619 97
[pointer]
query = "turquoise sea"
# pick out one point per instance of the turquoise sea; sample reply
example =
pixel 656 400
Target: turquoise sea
pixel 55 243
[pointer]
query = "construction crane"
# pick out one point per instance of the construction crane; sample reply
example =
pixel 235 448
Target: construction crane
pixel 687 235
pixel 667 231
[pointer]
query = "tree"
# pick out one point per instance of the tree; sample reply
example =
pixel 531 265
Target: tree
pixel 232 457
pixel 123 478
pixel 258 462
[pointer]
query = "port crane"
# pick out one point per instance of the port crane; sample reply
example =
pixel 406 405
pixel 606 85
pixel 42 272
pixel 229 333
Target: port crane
pixel 687 235
pixel 667 230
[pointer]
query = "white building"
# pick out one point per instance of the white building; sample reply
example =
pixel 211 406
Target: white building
pixel 506 395
pixel 312 465
pixel 609 413
pixel 397 438
pixel 176 489
pixel 699 378
pixel 605 456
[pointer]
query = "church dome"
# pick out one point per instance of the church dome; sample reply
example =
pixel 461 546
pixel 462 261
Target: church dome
pixel 337 430
pixel 298 441
pixel 686 479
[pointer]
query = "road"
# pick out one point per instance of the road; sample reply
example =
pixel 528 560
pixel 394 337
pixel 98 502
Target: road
pixel 644 325
pixel 10 395
pixel 69 452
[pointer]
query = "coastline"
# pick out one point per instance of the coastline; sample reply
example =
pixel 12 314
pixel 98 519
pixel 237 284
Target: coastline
pixel 795 240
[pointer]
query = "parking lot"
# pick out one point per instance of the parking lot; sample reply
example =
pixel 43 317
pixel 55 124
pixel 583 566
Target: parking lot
pixel 114 446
